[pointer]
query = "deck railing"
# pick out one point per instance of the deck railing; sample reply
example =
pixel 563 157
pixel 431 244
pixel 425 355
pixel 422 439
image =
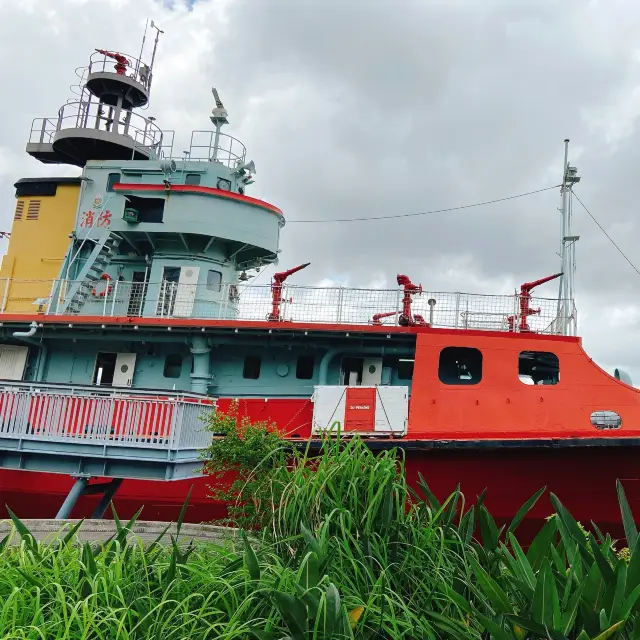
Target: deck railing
pixel 332 305
pixel 92 416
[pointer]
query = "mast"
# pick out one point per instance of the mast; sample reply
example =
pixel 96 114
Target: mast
pixel 566 312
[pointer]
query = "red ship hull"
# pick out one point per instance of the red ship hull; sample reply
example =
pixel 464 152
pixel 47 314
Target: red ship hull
pixel 583 478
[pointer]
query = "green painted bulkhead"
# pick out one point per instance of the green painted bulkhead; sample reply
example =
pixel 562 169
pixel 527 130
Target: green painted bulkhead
pixel 220 364
pixel 164 221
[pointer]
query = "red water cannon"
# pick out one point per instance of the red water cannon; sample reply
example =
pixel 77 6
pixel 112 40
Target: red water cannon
pixel 525 303
pixel 406 318
pixel 122 62
pixel 276 291
pixel 379 316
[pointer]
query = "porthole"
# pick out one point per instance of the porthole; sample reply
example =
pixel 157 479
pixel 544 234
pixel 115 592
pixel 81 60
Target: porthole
pixel 606 420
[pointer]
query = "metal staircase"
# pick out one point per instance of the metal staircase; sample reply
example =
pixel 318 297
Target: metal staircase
pixel 81 287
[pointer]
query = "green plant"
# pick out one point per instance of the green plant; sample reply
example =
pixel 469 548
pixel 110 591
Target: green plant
pixel 241 461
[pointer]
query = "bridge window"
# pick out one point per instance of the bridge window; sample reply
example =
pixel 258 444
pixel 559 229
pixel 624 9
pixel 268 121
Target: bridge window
pixel 214 279
pixel 460 365
pixel 538 367
pixel 304 367
pixel 192 178
pixel 251 367
pixel 112 178
pixel 146 209
pixel 173 365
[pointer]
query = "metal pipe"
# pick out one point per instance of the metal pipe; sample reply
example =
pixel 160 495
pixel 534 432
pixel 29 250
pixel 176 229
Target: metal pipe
pixel 323 369
pixel 69 502
pixel 27 334
pixel 201 364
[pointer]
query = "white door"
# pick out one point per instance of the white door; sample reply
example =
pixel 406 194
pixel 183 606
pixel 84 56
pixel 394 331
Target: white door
pixel 12 361
pixel 123 373
pixel 372 372
pixel 186 293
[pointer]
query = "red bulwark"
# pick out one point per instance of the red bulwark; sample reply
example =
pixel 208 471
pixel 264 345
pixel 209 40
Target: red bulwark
pixel 360 410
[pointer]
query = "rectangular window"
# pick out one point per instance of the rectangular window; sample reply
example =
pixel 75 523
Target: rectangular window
pixel 146 209
pixel 112 178
pixel 538 367
pixel 405 369
pixel 173 366
pixel 304 367
pixel 251 369
pixel 460 365
pixel 214 280
pixel 192 178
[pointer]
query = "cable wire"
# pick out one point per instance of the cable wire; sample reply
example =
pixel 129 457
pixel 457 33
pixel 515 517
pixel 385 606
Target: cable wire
pixel 424 213
pixel 611 240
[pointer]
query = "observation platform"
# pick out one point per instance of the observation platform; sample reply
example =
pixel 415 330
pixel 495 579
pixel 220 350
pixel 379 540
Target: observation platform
pixel 89 431
pixel 87 130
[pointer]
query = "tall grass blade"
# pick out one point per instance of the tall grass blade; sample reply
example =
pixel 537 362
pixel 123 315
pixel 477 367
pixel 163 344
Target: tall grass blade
pixel 630 529
pixel 524 510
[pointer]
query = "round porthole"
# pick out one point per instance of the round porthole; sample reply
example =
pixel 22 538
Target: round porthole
pixel 606 420
pixel 372 368
pixel 124 368
pixel 188 273
pixel 282 370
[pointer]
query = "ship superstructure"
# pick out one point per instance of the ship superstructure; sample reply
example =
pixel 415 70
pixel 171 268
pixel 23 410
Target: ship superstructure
pixel 145 317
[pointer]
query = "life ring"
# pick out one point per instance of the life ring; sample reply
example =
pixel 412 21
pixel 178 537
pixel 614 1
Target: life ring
pixel 106 291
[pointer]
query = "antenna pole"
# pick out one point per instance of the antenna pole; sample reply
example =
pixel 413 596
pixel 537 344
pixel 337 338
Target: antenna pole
pixel 144 38
pixel 566 294
pixel 155 44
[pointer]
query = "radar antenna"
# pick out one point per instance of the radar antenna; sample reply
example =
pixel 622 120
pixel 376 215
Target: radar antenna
pixel 219 117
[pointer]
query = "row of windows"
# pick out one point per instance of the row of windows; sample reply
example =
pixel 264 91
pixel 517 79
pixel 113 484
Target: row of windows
pixel 463 365
pixel 113 178
pixel 251 369
pixel 456 366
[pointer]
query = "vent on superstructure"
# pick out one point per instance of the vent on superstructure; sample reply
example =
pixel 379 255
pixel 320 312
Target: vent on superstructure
pixel 34 210
pixel 19 210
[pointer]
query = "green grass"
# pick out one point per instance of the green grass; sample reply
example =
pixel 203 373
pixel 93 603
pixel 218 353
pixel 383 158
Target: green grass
pixel 339 554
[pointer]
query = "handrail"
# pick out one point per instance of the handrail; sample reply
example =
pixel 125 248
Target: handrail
pixel 304 304
pixel 57 387
pixel 135 69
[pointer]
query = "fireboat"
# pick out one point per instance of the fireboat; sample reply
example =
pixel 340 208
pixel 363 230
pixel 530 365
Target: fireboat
pixel 127 310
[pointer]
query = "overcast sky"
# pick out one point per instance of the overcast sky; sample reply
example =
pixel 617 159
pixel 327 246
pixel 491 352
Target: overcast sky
pixel 368 108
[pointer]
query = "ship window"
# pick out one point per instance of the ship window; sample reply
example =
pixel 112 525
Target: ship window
pixel 251 367
pixel 112 178
pixel 460 365
pixel 173 365
pixel 147 209
pixel 538 367
pixel 214 279
pixel 606 420
pixel 192 178
pixel 304 367
pixel 405 369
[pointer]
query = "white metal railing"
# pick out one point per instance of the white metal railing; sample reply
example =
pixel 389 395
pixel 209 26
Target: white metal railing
pixel 331 305
pixel 134 69
pixel 90 415
pixel 93 115
pixel 207 145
